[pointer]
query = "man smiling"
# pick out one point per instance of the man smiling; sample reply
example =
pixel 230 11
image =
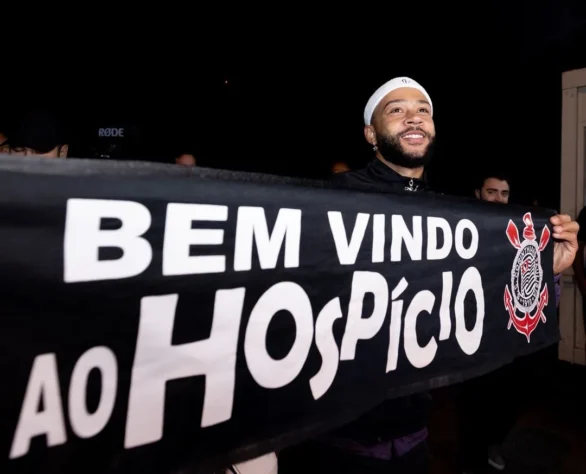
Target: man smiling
pixel 398 123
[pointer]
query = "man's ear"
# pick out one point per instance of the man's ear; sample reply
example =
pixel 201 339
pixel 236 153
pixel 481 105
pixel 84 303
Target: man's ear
pixel 477 193
pixel 370 134
pixel 63 151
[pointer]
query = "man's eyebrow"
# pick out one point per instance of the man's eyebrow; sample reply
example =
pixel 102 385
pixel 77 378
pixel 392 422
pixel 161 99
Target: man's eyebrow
pixel 396 101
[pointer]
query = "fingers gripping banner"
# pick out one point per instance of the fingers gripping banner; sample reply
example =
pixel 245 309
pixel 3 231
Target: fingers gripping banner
pixel 155 318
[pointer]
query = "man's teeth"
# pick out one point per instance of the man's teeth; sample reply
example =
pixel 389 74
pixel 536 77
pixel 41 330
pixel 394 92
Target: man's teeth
pixel 413 135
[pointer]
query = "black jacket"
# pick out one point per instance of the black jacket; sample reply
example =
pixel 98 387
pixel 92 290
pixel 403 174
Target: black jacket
pixel 403 416
pixel 377 176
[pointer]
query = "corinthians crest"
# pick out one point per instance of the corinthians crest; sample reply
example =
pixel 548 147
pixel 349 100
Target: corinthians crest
pixel 526 294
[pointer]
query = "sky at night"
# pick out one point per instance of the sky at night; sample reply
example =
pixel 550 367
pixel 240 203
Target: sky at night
pixel 290 100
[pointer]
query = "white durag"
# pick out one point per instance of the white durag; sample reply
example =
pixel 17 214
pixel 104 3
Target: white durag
pixel 390 86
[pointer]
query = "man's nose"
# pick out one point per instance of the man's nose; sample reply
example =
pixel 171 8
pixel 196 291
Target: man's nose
pixel 414 119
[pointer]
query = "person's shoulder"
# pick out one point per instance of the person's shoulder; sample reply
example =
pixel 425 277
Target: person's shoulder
pixel 358 176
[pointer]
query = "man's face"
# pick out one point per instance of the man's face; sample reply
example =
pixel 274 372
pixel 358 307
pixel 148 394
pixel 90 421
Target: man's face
pixel 186 160
pixel 403 129
pixel 494 190
pixel 340 167
pixel 57 152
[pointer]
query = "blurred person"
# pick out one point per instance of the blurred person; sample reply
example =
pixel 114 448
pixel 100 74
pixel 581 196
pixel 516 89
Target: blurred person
pixel 4 145
pixel 186 159
pixel 339 167
pixel 39 133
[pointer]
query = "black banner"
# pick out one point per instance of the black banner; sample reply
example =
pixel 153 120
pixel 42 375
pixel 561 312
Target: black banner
pixel 155 318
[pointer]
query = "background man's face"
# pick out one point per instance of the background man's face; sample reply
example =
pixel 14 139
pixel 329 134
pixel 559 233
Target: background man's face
pixel 494 190
pixel 403 118
pixel 186 160
pixel 57 152
pixel 340 167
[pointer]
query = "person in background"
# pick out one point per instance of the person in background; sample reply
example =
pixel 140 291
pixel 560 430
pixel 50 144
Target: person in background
pixel 483 432
pixel 4 146
pixel 494 187
pixel 339 167
pixel 39 133
pixel 186 159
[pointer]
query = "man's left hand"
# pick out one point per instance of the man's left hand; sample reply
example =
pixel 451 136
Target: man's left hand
pixel 565 231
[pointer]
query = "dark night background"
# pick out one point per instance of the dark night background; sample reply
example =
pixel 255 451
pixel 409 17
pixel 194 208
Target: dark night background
pixel 295 93
pixel 248 93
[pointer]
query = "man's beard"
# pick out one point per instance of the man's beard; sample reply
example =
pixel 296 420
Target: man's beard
pixel 391 150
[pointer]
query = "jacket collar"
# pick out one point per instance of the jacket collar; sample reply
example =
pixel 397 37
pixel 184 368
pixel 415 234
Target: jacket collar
pixel 382 172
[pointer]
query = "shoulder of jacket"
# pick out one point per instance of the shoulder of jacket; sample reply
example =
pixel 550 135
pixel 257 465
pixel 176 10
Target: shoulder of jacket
pixel 347 176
